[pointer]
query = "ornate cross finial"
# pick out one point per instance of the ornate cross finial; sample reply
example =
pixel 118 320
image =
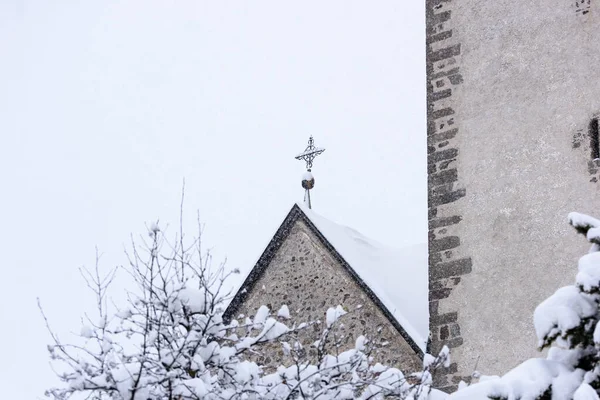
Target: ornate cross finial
pixel 308 155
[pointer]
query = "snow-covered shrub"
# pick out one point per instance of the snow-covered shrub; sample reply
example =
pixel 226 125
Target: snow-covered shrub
pixel 567 322
pixel 169 341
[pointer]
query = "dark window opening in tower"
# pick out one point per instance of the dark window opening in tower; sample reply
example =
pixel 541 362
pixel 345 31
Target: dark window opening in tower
pixel 594 139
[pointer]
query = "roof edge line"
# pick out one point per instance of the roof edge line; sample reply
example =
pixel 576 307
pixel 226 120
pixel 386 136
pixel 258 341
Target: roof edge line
pixel 386 312
pixel 263 262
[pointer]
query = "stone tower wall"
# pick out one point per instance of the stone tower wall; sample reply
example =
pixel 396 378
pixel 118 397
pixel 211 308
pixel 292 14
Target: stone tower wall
pixel 512 89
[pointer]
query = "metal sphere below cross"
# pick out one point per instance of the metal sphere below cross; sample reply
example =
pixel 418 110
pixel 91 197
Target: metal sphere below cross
pixel 308 180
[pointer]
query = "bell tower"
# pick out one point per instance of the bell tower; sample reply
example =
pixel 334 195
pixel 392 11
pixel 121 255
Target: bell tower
pixel 513 96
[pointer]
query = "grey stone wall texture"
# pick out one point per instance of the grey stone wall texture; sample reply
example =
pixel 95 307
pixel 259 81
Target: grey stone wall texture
pixel 512 88
pixel 304 276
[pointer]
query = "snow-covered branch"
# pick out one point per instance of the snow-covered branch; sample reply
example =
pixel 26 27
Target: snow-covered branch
pixel 169 341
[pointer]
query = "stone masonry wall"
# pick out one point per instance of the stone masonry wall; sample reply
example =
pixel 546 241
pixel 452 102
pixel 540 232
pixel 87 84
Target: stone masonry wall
pixel 308 280
pixel 512 90
pixel 447 263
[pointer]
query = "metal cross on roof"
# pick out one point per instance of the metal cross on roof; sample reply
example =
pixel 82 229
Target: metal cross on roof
pixel 309 153
pixel 308 181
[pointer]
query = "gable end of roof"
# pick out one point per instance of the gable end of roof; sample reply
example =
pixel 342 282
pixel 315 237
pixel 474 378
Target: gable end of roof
pixel 274 245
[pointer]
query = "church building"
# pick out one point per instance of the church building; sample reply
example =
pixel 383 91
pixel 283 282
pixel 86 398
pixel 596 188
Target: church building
pixel 513 102
pixel 313 264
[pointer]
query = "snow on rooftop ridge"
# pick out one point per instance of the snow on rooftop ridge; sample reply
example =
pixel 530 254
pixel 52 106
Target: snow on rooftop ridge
pixel 398 277
pixel 307 176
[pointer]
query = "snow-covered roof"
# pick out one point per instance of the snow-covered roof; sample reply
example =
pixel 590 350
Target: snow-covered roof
pixel 396 278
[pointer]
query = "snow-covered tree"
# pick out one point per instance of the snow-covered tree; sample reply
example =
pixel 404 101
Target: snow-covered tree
pixel 567 324
pixel 169 341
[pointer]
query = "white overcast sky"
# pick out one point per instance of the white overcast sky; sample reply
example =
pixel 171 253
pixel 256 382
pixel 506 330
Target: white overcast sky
pixel 106 106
